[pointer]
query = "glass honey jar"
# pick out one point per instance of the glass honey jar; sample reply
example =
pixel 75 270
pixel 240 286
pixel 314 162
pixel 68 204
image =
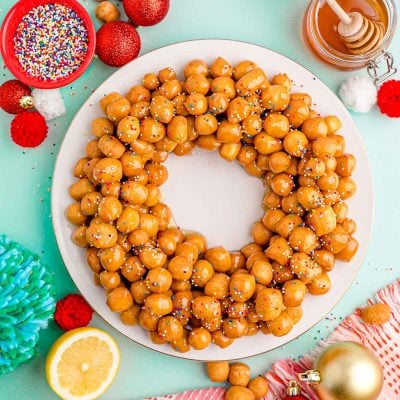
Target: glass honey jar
pixel 322 38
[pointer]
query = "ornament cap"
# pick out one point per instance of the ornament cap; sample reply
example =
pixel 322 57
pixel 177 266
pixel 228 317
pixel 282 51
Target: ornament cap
pixel 293 389
pixel 26 102
pixel 311 376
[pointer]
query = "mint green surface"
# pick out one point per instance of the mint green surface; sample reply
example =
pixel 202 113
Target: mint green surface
pixel 25 178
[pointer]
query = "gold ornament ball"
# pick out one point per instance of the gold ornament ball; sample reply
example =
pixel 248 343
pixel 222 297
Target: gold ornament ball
pixel 348 371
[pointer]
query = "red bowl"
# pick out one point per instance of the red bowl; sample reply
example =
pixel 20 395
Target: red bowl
pixel 9 27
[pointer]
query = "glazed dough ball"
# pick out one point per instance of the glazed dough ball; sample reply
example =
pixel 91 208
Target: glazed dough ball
pixel 239 374
pixel 239 393
pixel 259 386
pixel 218 371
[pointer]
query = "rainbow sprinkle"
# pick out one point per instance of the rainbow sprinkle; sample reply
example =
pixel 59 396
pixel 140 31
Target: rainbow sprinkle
pixel 51 42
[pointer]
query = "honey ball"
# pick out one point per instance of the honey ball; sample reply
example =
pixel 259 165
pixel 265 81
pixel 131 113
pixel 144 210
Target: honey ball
pixel 151 81
pixel 107 12
pixel 158 304
pixel 221 340
pixel 217 286
pixel 295 313
pixel 107 170
pixel 319 285
pixel 181 345
pixel 281 326
pixel 112 258
pixel 262 271
pixel 375 314
pixel 219 258
pixel 199 338
pixel 148 321
pixel 156 338
pixel 110 280
pixel 202 273
pixel 259 386
pixel 218 371
pixel 130 316
pixel 75 214
pixel 170 329
pixel 119 299
pixel 239 393
pixel 118 109
pixel 269 304
pixel 140 291
pixel 242 287
pixel 239 374
pixel 79 236
pixel 235 328
pixel 101 235
pixel 206 308
pixel 180 268
pixel 158 280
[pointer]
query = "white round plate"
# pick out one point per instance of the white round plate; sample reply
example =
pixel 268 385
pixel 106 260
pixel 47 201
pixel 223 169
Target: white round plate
pixel 210 195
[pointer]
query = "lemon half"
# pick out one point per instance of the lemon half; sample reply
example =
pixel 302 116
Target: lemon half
pixel 82 364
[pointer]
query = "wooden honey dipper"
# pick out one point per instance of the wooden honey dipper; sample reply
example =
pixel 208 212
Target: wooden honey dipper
pixel 359 34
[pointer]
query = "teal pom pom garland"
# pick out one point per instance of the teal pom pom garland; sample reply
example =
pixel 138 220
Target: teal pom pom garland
pixel 26 303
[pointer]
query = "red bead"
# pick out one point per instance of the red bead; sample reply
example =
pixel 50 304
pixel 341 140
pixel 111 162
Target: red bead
pixel 72 312
pixel 28 129
pixel 11 94
pixel 389 98
pixel 117 43
pixel 146 12
pixel 297 397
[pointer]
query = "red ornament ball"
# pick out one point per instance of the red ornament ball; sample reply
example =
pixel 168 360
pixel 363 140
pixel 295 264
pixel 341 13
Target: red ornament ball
pixel 146 12
pixel 389 98
pixel 15 97
pixel 296 397
pixel 28 129
pixel 72 312
pixel 117 43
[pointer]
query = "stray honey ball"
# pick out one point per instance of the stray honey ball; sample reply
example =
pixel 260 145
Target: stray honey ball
pixel 239 374
pixel 218 371
pixel 239 393
pixel 259 386
pixel 376 314
pixel 107 12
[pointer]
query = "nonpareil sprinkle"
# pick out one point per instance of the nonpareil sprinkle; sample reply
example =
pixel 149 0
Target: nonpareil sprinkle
pixel 51 42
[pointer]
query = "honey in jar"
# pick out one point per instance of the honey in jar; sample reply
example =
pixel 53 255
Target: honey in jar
pixel 320 30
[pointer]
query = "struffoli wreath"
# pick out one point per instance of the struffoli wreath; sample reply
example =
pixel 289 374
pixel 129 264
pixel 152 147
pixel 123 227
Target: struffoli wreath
pixel 155 274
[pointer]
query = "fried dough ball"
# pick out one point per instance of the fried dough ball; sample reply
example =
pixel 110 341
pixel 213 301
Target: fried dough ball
pixel 199 338
pixel 218 371
pixel 269 303
pixel 239 393
pixel 239 374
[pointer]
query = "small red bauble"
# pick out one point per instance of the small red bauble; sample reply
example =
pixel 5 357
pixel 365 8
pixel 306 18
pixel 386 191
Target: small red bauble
pixel 296 397
pixel 389 98
pixel 146 12
pixel 15 97
pixel 28 129
pixel 117 43
pixel 72 312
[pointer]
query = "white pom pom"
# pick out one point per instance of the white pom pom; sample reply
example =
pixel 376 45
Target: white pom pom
pixel 49 103
pixel 358 94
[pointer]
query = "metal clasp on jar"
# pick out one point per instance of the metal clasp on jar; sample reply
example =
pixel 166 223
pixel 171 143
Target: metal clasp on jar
pixel 374 68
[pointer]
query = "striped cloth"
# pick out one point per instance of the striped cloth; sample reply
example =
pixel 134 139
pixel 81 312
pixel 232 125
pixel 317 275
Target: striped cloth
pixel 384 341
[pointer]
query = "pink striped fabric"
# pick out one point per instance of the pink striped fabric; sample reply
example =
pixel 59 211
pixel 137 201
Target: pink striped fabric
pixel 384 341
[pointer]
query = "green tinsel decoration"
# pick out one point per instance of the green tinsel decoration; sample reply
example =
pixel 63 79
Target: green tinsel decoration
pixel 26 303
